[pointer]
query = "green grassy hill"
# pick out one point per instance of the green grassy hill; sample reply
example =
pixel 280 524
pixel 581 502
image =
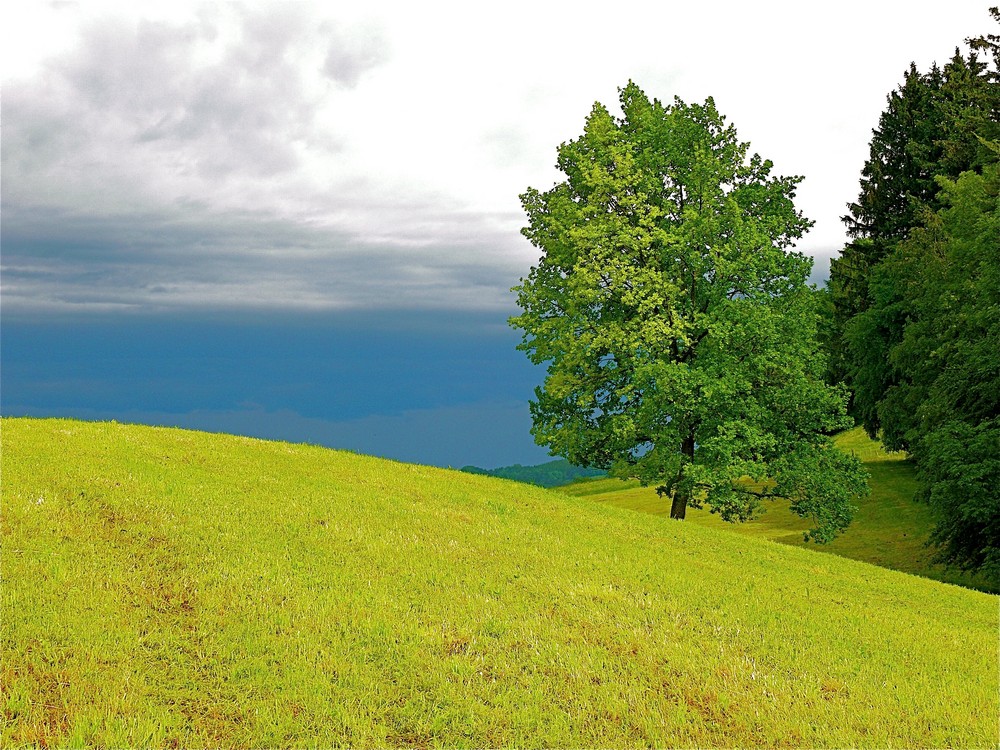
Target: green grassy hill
pixel 890 528
pixel 173 588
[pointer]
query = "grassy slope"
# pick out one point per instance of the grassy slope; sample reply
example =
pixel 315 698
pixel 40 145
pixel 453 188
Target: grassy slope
pixel 890 528
pixel 165 587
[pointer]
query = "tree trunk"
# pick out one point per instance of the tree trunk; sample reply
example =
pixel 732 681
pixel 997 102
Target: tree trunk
pixel 678 508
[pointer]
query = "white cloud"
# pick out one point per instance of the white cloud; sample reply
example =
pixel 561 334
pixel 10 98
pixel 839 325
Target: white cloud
pixel 222 109
pixel 296 155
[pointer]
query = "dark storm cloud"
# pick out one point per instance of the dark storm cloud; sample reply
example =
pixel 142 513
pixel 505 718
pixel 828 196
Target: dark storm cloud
pixel 485 434
pixel 60 261
pixel 821 265
pixel 427 386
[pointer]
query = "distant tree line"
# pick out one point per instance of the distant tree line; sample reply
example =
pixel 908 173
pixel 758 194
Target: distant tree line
pixel 915 295
pixel 549 474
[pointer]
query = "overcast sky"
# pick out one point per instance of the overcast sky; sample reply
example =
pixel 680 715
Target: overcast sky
pixel 297 155
pixel 173 158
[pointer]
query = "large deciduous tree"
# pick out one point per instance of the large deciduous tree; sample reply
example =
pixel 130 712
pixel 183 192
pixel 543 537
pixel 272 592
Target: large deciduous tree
pixel 676 321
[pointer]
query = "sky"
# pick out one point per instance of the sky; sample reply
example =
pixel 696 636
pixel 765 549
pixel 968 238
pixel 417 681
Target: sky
pixel 301 220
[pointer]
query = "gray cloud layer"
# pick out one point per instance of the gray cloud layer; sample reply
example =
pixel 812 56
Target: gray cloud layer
pixel 59 261
pixel 171 165
pixel 277 154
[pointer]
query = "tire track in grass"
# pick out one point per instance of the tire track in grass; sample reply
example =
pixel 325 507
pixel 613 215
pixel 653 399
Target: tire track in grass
pixel 123 615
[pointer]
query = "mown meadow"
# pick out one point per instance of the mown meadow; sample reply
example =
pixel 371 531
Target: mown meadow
pixel 172 588
pixel 890 528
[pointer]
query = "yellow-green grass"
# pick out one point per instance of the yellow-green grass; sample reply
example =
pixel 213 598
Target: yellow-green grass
pixel 164 587
pixel 890 529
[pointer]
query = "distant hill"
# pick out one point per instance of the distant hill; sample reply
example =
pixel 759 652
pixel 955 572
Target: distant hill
pixel 550 474
pixel 169 588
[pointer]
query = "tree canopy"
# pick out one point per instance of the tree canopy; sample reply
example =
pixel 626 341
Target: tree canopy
pixel 941 401
pixel 916 296
pixel 675 320
pixel 935 124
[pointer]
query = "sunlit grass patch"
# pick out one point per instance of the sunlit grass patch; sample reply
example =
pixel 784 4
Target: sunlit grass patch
pixel 890 528
pixel 163 588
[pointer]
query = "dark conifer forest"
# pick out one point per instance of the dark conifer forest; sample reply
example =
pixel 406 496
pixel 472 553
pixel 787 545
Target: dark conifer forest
pixel 915 295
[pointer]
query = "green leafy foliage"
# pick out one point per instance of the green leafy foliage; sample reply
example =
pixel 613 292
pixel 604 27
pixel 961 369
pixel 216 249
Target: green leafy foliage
pixel 935 124
pixel 961 472
pixel 676 323
pixel 916 320
pixel 941 400
pixel 896 180
pixel 891 528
